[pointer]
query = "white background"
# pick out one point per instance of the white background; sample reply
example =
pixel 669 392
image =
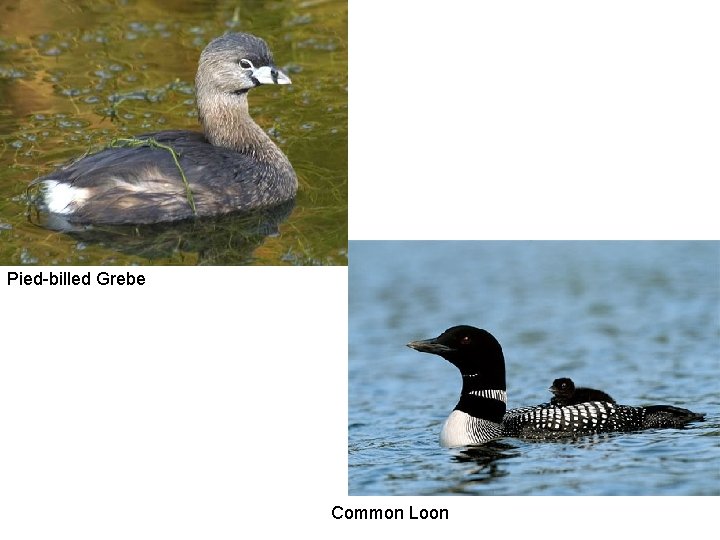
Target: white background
pixel 212 402
pixel 534 119
pixel 206 400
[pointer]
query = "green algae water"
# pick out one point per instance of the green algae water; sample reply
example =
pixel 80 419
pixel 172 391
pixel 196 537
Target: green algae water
pixel 75 77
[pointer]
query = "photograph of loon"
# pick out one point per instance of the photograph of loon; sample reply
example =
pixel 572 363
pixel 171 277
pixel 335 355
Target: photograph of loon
pixel 233 166
pixel 565 393
pixel 480 416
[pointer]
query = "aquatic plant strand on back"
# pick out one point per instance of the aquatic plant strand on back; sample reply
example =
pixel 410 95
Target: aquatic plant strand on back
pixel 152 143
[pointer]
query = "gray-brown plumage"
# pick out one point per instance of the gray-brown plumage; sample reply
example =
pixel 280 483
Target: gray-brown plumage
pixel 233 166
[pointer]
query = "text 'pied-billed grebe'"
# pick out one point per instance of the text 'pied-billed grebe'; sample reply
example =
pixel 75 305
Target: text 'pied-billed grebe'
pixel 233 166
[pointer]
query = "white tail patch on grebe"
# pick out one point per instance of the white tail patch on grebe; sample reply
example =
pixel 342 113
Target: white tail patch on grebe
pixel 62 198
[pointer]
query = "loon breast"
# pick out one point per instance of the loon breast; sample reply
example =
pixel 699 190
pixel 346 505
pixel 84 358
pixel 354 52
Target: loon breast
pixel 463 429
pixel 455 430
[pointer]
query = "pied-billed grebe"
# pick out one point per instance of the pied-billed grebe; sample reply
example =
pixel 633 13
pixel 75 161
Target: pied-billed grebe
pixel 233 166
pixel 481 416
pixel 566 394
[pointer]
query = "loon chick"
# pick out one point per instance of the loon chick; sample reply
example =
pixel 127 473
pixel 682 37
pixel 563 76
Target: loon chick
pixel 481 416
pixel 232 166
pixel 566 393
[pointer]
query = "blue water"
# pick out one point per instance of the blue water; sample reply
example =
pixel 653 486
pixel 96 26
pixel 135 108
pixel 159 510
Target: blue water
pixel 639 320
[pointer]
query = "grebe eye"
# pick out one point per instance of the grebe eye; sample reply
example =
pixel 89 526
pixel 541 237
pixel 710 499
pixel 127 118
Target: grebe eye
pixel 245 64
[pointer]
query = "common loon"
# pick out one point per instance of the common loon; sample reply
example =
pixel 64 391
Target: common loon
pixel 566 393
pixel 481 416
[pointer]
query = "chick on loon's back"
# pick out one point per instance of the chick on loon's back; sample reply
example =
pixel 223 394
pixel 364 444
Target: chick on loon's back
pixel 481 416
pixel 565 393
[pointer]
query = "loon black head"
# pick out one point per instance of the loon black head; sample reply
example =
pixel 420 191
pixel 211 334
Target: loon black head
pixel 475 352
pixel 563 388
pixel 478 416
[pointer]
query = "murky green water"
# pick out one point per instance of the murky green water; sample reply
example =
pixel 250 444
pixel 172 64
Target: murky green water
pixel 75 75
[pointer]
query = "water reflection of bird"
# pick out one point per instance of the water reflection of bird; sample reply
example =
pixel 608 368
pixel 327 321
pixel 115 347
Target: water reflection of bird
pixel 222 240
